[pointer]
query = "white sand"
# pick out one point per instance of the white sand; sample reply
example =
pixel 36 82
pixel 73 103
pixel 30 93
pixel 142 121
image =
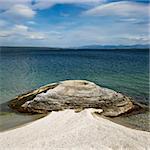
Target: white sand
pixel 66 130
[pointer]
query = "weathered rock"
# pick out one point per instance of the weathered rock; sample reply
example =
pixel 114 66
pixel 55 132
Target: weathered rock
pixel 73 94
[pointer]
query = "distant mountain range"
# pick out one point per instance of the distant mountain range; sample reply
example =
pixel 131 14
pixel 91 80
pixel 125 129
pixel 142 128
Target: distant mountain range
pixel 114 47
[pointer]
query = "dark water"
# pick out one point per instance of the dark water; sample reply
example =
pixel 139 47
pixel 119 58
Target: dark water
pixel 22 70
pixel 125 71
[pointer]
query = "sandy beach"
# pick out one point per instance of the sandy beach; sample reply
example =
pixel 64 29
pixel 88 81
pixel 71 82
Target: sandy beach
pixel 67 130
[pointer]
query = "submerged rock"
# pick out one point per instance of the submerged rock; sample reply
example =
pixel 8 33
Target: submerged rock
pixel 73 94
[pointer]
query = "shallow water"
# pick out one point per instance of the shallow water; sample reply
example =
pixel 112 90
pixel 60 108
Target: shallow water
pixel 12 120
pixel 125 71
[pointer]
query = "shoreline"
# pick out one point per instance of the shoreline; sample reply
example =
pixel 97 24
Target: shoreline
pixel 118 120
pixel 18 121
pixel 126 121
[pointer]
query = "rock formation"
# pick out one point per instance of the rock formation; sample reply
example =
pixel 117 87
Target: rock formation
pixel 73 94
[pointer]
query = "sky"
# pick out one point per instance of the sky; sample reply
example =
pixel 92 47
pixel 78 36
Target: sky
pixel 73 23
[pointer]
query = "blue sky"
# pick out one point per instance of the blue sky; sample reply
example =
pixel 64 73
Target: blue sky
pixel 73 23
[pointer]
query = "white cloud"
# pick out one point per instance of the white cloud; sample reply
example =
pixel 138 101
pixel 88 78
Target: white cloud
pixel 122 8
pixel 137 39
pixel 70 33
pixel 7 4
pixel 103 35
pixel 19 11
pixel 35 36
pixel 22 31
pixel 5 34
pixel 20 28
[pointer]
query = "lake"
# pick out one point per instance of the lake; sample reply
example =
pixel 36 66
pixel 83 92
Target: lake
pixel 24 69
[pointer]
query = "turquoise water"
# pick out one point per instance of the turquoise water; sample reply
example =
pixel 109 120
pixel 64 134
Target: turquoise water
pixel 22 70
pixel 125 71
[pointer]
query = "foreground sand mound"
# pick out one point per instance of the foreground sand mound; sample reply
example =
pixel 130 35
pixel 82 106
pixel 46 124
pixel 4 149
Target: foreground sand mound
pixel 73 94
pixel 67 130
